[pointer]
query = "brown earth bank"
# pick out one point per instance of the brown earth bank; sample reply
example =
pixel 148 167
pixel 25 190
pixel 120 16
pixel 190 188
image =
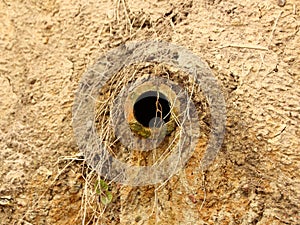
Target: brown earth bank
pixel 252 48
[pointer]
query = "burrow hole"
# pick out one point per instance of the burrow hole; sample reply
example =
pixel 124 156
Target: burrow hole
pixel 151 108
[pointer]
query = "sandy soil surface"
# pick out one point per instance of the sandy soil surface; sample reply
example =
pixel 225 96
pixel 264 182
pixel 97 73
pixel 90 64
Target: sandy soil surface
pixel 251 46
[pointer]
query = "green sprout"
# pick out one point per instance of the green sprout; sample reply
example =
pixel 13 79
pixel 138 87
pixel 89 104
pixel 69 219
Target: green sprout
pixel 101 188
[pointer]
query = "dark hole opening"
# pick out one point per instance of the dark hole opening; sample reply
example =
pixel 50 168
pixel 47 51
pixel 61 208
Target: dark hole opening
pixel 151 105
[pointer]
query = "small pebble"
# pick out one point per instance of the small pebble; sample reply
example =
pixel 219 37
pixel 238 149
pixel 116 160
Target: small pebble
pixel 281 3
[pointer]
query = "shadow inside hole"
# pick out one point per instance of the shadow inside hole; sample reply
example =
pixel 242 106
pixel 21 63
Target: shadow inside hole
pixel 152 109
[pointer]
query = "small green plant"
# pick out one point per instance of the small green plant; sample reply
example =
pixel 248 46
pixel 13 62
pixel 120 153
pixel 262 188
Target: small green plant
pixel 101 188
